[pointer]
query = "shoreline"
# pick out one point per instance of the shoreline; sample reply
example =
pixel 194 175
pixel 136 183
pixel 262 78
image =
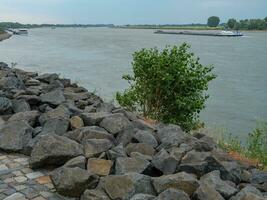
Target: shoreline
pixel 4 36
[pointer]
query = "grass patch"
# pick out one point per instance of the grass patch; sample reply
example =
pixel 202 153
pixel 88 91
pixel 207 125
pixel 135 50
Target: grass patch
pixel 255 148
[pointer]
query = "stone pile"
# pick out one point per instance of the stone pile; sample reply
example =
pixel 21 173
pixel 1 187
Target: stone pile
pixel 98 151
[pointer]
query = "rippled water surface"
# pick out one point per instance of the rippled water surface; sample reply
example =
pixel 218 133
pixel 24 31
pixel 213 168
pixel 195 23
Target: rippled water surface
pixel 97 57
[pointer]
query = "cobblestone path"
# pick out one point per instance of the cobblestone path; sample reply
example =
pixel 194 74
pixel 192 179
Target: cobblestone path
pixel 19 182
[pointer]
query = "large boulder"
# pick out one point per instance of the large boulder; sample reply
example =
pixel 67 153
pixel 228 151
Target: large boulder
pixel 59 112
pixel 57 126
pixel 181 181
pixel 207 192
pixel 94 195
pixel 94 147
pixel 116 152
pixel 5 105
pixel 170 135
pixel 76 122
pixel 143 197
pixel 119 187
pixel 146 137
pixel 54 97
pixel 115 123
pixel 15 135
pixel 164 162
pixel 73 182
pixel 246 190
pixel 99 167
pixel 213 179
pixel 47 78
pixel 126 165
pixel 79 161
pixel 140 148
pixel 28 116
pixel 20 105
pixel 11 82
pixel 173 194
pixel 54 150
pixel 253 197
pixel 92 119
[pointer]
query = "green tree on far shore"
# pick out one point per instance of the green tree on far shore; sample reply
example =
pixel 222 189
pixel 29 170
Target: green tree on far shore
pixel 213 21
pixel 231 23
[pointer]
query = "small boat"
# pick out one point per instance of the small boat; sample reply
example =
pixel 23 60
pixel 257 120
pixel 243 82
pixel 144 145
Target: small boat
pixel 230 33
pixel 21 32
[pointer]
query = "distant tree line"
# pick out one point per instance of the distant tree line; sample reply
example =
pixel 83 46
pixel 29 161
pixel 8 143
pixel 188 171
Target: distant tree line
pixel 248 24
pixel 15 25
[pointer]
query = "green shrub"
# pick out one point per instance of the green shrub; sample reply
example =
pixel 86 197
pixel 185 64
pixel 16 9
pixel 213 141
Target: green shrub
pixel 167 85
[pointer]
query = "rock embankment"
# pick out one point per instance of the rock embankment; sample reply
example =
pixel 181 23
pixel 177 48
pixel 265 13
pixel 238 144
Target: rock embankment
pixel 100 152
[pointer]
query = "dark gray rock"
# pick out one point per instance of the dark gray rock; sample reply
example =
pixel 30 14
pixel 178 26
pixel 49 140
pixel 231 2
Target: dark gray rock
pixel 213 179
pixel 146 137
pixel 207 192
pixel 173 194
pixel 79 161
pixel 5 105
pixel 164 162
pixel 57 126
pixel 28 116
pixel 73 182
pixel 94 195
pixel 11 82
pixel 115 123
pixel 54 97
pixel 54 85
pixel 14 136
pixel 125 136
pixel 92 119
pixel 20 106
pixel 94 132
pixel 126 165
pixel 141 148
pixel 246 190
pixel 47 78
pixel 142 125
pixel 171 135
pixel 94 147
pixel 142 184
pixel 58 113
pixel 259 177
pixel 181 181
pixel 105 107
pixel 116 152
pixel 54 150
pixel 119 186
pixel 30 99
pixel 143 197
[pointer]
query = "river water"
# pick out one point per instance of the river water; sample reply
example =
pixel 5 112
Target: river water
pixel 97 58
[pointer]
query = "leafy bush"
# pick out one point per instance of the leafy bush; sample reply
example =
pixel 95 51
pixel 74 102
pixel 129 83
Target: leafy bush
pixel 167 85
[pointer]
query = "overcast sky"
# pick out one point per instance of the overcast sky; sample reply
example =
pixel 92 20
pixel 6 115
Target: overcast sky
pixel 129 11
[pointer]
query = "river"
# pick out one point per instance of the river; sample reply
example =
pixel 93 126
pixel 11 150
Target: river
pixel 96 58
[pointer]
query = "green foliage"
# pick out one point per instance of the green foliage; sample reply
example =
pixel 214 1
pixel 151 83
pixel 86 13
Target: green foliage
pixel 167 85
pixel 231 23
pixel 257 143
pixel 213 21
pixel 253 24
pixel 231 143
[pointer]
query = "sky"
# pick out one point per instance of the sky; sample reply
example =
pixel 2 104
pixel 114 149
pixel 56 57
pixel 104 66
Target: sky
pixel 128 11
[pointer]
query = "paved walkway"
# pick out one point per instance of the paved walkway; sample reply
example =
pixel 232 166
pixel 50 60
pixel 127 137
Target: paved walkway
pixel 19 182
